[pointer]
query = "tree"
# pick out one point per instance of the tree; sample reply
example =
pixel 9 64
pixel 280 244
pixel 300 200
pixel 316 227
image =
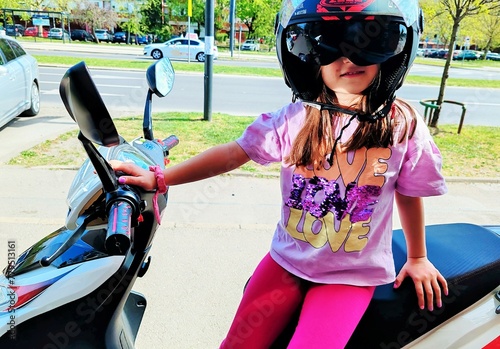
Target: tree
pixel 131 26
pixel 258 15
pixel 91 14
pixel 153 19
pixel 436 24
pixel 458 10
pixel 178 12
pixel 485 29
pixel 14 4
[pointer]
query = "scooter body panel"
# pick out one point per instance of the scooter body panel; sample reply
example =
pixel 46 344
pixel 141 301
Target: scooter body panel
pixel 73 288
pixel 475 327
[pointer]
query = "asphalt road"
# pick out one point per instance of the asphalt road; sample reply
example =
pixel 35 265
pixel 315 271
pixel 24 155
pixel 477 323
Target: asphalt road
pixel 125 90
pixel 236 95
pixel 238 58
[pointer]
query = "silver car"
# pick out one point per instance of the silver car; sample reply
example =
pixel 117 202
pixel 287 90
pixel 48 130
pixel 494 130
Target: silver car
pixel 19 82
pixel 103 35
pixel 180 48
pixel 250 45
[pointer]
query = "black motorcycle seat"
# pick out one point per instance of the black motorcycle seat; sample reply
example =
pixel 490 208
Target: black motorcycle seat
pixel 467 255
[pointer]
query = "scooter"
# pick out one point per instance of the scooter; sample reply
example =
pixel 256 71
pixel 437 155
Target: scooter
pixel 468 256
pixel 73 288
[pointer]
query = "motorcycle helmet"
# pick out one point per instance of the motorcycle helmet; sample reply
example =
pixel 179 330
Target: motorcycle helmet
pixel 313 33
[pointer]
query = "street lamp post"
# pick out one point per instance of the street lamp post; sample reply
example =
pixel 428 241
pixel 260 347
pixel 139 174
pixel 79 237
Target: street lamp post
pixel 209 59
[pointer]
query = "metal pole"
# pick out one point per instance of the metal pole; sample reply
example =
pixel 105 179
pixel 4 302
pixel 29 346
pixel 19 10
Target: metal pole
pixel 232 11
pixel 239 41
pixel 189 13
pixel 209 59
pixel 189 39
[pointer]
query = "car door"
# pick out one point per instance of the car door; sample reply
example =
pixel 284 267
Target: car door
pixel 11 83
pixel 183 48
pixel 176 49
pixel 4 87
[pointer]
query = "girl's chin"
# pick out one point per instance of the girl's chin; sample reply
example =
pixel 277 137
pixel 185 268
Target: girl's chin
pixel 347 95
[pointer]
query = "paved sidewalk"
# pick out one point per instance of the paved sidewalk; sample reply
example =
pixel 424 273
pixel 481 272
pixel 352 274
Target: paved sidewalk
pixel 214 233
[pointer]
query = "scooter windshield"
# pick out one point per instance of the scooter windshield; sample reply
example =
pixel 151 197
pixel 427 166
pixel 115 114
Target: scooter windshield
pixel 87 187
pixel 89 246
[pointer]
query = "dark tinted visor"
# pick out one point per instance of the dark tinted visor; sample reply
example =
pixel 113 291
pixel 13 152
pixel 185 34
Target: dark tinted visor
pixel 363 41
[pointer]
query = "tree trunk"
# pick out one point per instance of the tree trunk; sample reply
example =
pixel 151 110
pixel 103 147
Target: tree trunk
pixel 487 48
pixel 453 39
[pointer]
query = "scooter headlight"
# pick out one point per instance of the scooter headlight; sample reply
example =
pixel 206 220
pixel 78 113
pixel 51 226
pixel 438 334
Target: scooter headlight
pixel 7 298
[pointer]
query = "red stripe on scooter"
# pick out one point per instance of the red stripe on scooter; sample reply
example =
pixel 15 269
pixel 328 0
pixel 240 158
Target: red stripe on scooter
pixel 495 344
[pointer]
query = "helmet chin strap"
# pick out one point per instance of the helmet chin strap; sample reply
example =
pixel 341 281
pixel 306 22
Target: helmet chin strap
pixel 362 117
pixel 381 113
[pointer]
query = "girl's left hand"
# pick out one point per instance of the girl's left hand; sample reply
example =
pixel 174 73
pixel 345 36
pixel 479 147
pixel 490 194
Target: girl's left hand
pixel 427 279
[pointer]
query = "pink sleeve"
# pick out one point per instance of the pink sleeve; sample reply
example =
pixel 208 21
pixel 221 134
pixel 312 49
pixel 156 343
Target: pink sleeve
pixel 269 137
pixel 420 174
pixel 260 140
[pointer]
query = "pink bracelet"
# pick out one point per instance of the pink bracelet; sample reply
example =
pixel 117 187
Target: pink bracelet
pixel 161 188
pixel 160 179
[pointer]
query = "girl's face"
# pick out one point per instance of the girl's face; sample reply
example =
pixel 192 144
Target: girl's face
pixel 348 80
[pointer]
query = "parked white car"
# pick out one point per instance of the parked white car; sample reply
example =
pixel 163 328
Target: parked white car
pixel 250 45
pixel 180 48
pixel 19 89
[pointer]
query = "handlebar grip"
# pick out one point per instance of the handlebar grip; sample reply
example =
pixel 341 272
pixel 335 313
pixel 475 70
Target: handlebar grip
pixel 170 142
pixel 119 225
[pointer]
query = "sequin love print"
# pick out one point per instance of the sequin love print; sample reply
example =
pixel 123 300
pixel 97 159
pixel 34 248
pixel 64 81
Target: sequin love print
pixel 335 205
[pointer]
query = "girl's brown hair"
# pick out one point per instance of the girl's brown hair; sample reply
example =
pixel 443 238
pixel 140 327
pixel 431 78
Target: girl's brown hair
pixel 316 139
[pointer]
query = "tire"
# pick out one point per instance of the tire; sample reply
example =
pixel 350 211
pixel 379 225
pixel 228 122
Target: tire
pixel 35 101
pixel 200 57
pixel 156 54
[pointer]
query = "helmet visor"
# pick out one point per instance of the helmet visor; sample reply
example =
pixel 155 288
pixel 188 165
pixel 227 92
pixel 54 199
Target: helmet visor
pixel 364 42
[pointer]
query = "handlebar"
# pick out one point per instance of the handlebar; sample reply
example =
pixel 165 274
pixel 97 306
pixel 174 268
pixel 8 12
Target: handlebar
pixel 123 207
pixel 119 227
pixel 168 143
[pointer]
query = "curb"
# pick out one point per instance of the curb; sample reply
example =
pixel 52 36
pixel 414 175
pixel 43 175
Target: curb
pixel 267 175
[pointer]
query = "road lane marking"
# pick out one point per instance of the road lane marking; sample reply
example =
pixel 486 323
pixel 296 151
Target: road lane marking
pixel 56 92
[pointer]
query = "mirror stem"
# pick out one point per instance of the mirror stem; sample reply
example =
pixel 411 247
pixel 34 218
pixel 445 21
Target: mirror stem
pixel 101 166
pixel 147 124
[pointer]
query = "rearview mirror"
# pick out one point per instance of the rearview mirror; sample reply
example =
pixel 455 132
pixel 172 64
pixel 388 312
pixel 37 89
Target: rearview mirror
pixel 85 105
pixel 160 77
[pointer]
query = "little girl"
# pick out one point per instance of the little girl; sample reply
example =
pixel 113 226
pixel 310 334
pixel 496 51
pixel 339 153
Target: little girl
pixel 348 150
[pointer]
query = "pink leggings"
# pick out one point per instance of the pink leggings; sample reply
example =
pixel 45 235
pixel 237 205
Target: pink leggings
pixel 327 319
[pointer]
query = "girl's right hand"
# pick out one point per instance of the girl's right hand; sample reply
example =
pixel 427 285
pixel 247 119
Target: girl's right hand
pixel 137 175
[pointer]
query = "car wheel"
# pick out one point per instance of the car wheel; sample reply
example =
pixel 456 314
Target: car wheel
pixel 200 57
pixel 156 54
pixel 35 101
